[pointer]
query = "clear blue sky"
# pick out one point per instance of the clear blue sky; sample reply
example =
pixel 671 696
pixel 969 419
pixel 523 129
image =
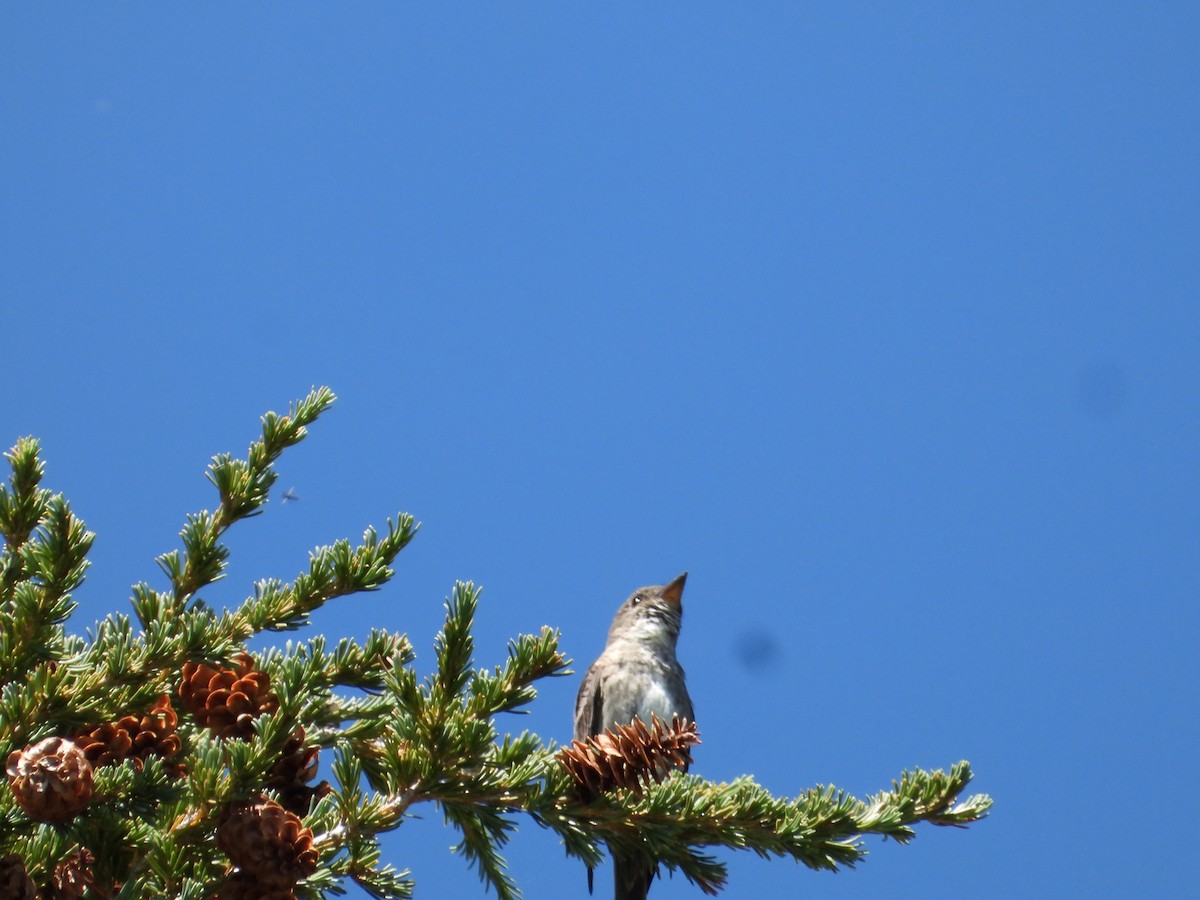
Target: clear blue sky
pixel 880 320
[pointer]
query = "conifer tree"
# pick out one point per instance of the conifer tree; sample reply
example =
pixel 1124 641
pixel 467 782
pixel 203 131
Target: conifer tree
pixel 158 758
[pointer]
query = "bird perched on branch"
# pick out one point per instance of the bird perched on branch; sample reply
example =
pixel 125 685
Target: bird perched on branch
pixel 636 676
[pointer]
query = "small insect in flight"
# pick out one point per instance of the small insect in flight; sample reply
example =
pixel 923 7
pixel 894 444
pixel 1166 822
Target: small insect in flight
pixel 290 494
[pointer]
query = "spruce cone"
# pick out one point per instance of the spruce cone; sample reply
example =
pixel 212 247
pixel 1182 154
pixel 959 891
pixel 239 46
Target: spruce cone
pixel 15 882
pixel 296 766
pixel 131 737
pixel 227 701
pixel 72 877
pixel 268 843
pixel 52 779
pixel 629 756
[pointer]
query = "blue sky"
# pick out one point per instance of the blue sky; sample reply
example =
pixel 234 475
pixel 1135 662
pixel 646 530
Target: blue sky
pixel 880 320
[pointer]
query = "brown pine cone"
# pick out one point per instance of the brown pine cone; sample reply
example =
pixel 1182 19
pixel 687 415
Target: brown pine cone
pixel 268 843
pixel 136 738
pixel 15 882
pixel 629 756
pixel 52 780
pixel 104 745
pixel 154 734
pixel 227 701
pixel 72 877
pixel 296 766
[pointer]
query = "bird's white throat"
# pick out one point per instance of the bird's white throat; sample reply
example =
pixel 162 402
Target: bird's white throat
pixel 652 634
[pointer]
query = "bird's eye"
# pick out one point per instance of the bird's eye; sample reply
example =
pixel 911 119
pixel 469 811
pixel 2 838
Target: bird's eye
pixel 637 598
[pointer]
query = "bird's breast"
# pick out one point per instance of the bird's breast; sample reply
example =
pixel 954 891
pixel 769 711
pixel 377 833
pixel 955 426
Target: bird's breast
pixel 642 687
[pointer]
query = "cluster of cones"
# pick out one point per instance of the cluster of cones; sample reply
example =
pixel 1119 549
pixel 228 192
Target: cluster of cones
pixel 629 756
pixel 135 738
pixel 264 838
pixel 71 878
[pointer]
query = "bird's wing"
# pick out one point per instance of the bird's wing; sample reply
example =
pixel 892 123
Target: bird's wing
pixel 686 710
pixel 589 705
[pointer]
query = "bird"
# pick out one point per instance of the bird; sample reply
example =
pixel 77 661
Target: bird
pixel 637 676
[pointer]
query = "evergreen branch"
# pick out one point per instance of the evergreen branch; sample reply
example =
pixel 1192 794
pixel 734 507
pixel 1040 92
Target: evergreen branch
pixel 485 831
pixel 350 823
pixel 333 571
pixel 821 828
pixel 43 560
pixel 119 664
pixel 30 699
pixel 22 506
pixel 530 657
pixel 56 556
pixel 353 664
pixel 243 486
pixel 362 666
pixel 384 881
pixel 454 645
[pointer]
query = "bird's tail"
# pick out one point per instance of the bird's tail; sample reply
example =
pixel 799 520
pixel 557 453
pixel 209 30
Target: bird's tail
pixel 631 878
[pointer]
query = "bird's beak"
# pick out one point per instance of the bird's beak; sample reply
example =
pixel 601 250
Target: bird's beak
pixel 673 592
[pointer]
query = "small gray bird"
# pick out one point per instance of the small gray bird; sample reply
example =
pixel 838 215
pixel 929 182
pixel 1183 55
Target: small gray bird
pixel 637 675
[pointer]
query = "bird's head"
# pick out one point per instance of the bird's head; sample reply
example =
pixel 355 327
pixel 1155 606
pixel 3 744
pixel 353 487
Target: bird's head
pixel 651 615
